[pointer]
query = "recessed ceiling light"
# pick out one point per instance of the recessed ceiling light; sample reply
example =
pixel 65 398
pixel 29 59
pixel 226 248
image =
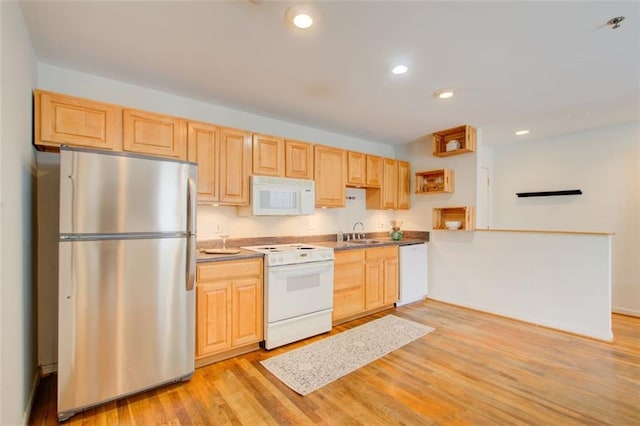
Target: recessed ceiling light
pixel 300 17
pixel 399 69
pixel 444 93
pixel 522 132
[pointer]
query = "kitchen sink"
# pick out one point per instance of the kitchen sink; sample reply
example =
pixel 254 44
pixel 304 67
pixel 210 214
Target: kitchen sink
pixel 365 242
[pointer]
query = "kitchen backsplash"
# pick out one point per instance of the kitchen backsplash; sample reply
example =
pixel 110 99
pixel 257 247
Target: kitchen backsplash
pixel 324 221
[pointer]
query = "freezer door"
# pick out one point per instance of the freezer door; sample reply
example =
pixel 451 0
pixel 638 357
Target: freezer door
pixel 111 193
pixel 126 318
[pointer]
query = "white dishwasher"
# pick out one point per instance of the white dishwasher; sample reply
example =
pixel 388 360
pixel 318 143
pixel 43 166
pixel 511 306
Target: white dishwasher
pixel 413 273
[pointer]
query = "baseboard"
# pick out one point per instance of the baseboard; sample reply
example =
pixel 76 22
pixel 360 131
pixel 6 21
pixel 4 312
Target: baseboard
pixel 623 311
pixel 32 397
pixel 608 338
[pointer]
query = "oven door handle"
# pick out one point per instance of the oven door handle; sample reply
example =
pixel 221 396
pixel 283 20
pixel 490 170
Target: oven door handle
pixel 301 267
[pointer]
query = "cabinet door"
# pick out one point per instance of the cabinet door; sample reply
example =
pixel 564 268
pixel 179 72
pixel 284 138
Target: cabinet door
pixel 356 169
pixel 298 160
pixel 391 280
pixel 330 165
pixel 247 312
pixel 213 318
pixel 203 149
pixel 348 284
pixel 61 119
pixel 268 155
pixel 389 183
pixel 374 171
pixel 404 185
pixel 235 157
pixel 374 284
pixel 155 134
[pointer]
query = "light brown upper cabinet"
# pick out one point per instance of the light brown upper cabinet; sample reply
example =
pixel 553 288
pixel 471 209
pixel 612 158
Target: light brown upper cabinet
pixel 235 161
pixel 61 119
pixel 330 165
pixel 394 191
pixel 204 149
pixel 298 159
pixel 454 141
pixel 389 183
pixel 374 171
pixel 356 169
pixel 268 155
pixel 155 134
pixel 403 199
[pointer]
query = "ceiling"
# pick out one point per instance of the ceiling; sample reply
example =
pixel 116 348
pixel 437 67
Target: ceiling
pixel 551 67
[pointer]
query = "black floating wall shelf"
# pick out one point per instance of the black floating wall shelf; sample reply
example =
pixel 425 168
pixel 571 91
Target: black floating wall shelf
pixel 549 193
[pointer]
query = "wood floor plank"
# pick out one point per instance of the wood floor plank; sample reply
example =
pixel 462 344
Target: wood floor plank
pixel 475 368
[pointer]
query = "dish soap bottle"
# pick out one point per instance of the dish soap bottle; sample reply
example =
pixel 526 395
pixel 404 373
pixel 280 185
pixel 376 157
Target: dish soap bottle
pixel 340 236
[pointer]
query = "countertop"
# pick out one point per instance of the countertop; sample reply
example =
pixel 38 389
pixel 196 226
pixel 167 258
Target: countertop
pixel 337 246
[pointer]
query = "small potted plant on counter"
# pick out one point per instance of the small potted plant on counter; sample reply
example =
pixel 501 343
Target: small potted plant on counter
pixel 396 233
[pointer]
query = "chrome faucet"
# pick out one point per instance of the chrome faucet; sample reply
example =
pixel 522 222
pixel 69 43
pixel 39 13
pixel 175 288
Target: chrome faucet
pixel 360 235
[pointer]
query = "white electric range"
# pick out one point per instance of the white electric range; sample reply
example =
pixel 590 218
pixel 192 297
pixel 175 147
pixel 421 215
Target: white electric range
pixel 298 291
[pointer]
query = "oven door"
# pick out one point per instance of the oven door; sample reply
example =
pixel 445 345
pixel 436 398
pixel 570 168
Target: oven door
pixel 294 290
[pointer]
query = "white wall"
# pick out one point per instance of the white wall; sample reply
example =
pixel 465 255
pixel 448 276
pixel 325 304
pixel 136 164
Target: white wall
pixel 484 185
pixel 89 86
pixel 556 280
pixel 419 154
pixel 324 221
pixel 605 165
pixel 17 225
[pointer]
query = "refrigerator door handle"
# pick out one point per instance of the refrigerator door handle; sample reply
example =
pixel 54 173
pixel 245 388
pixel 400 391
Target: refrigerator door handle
pixel 191 206
pixel 191 237
pixel 191 262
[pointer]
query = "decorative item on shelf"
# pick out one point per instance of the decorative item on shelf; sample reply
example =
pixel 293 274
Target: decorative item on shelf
pixel 396 233
pixel 453 145
pixel 453 224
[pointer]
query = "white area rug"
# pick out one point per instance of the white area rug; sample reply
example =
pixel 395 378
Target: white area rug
pixel 317 364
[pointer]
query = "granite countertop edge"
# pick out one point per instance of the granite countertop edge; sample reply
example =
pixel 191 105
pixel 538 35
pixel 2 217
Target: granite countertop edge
pixel 415 237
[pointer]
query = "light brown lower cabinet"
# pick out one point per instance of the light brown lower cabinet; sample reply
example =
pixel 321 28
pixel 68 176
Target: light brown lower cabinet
pixel 229 309
pixel 381 276
pixel 365 280
pixel 348 284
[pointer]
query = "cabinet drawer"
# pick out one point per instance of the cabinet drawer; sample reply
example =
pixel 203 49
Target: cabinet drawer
pixel 349 256
pixel 381 253
pixel 231 268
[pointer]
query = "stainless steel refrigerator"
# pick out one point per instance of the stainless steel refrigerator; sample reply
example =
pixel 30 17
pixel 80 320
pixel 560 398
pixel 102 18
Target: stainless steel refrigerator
pixel 126 294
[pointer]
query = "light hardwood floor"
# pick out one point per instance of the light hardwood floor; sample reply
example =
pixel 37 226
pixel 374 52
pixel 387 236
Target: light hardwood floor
pixel 474 368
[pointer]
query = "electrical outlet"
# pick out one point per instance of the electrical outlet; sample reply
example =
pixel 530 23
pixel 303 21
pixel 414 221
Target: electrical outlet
pixel 310 225
pixel 382 225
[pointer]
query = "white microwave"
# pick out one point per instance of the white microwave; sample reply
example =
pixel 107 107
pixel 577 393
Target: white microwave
pixel 276 196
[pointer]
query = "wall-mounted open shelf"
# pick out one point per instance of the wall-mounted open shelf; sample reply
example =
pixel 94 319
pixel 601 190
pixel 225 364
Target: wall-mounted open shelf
pixel 464 214
pixel 454 141
pixel 434 181
pixel 549 193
